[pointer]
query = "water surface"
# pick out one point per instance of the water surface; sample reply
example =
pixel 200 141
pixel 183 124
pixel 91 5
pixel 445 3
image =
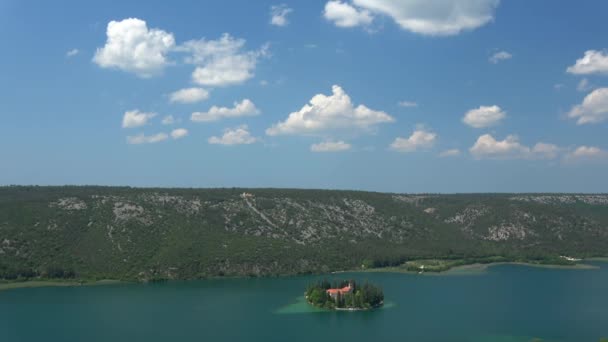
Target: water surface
pixel 506 303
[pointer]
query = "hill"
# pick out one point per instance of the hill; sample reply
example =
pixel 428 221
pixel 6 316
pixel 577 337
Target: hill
pixel 94 232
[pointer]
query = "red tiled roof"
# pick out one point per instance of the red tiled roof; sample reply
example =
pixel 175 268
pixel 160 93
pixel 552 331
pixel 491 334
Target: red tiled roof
pixel 342 290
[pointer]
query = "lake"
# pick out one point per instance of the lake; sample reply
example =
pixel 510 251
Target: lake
pixel 505 303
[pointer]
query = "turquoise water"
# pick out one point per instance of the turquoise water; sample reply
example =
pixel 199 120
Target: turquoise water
pixel 506 303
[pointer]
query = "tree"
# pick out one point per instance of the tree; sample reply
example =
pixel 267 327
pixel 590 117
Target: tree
pixel 349 300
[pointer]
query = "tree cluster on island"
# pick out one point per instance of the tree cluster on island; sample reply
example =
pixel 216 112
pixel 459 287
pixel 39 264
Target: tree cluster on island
pixel 344 295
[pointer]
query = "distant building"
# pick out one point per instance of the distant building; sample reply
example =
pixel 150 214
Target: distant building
pixel 246 195
pixel 333 293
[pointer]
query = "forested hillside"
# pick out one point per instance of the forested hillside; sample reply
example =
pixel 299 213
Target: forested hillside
pixel 127 233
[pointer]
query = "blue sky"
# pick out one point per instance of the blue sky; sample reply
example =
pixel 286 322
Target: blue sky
pixel 384 95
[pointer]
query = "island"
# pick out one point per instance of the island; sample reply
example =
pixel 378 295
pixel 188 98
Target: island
pixel 344 295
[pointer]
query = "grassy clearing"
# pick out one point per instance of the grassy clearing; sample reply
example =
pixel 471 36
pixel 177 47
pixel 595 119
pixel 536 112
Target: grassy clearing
pixel 439 266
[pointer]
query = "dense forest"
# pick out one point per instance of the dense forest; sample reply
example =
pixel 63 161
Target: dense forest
pixel 90 232
pixel 366 296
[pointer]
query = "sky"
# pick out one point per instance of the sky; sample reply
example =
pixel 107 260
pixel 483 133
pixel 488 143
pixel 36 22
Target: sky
pixel 438 96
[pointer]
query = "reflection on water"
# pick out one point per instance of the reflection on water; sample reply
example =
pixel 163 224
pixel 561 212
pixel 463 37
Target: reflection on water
pixel 300 306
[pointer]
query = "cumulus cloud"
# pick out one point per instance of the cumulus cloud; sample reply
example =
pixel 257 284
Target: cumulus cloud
pixel 221 62
pixel 234 136
pixel 132 47
pixel 427 17
pixel 343 14
pixel 593 62
pixel 487 147
pixel 450 153
pixel 278 15
pixel 500 56
pixel 189 95
pixel 179 133
pixel 325 113
pixel 72 53
pixel 330 146
pixel 408 104
pixel 135 118
pixel 146 139
pixel 420 139
pixel 244 108
pixel 594 108
pixel 586 153
pixel 545 151
pixel 484 116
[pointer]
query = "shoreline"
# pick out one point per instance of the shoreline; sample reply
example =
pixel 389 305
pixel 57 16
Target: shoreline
pixel 474 268
pixel 343 309
pixel 55 283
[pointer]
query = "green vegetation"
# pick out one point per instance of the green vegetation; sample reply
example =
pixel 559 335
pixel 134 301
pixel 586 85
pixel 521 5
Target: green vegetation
pixel 364 297
pixel 443 265
pixel 88 233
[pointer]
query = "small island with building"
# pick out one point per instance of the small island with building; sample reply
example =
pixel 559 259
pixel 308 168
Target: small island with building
pixel 344 295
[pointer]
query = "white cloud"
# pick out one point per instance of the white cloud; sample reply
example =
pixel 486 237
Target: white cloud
pixel 221 62
pixel 484 116
pixel 420 139
pixel 343 14
pixel 594 108
pixel 278 15
pixel 500 56
pixel 586 153
pixel 408 104
pixel 234 136
pixel 72 53
pixel 135 118
pixel 229 70
pixel 168 120
pixel 189 95
pixel 545 151
pixel 132 47
pixel 450 153
pixel 179 133
pixel 144 139
pixel 325 113
pixel 330 146
pixel 593 62
pixel 584 85
pixel 427 17
pixel 486 147
pixel 244 108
